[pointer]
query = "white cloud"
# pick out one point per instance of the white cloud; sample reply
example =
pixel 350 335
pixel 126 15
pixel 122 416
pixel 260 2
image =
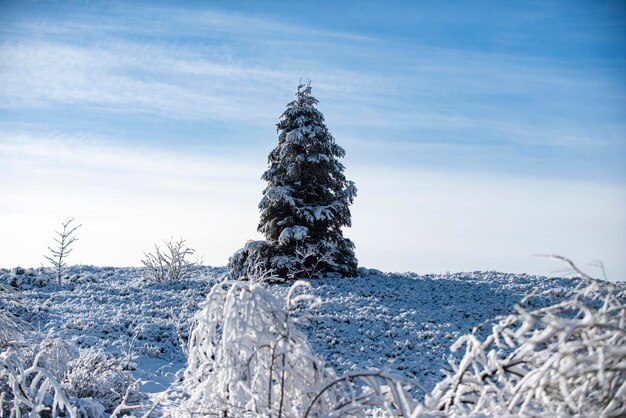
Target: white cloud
pixel 126 199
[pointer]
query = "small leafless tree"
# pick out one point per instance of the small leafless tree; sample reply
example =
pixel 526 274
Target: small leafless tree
pixel 64 239
pixel 170 263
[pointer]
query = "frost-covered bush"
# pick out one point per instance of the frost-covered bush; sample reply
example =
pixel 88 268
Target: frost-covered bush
pixel 30 390
pixel 247 358
pixel 95 374
pixel 565 359
pixel 252 262
pixel 55 356
pixel 81 279
pixel 25 279
pixel 12 328
pixel 170 263
pixel 310 260
pixel 277 262
pixel 57 377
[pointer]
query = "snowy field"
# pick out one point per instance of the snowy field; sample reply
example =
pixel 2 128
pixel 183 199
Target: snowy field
pixel 401 323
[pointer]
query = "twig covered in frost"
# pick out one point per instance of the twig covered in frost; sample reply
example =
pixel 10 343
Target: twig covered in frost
pixel 376 389
pixel 182 339
pixel 64 239
pixel 568 358
pixel 124 406
pixel 33 389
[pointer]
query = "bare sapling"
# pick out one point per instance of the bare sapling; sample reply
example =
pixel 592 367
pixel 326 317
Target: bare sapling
pixel 64 239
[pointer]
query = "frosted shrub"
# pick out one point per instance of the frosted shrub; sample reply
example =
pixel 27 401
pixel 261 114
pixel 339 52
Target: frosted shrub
pixel 565 359
pixel 57 377
pixel 307 261
pixel 94 374
pixel 30 390
pixel 247 357
pixel 170 263
pixel 55 356
pixel 12 328
pixel 28 278
pixel 257 261
pixel 252 262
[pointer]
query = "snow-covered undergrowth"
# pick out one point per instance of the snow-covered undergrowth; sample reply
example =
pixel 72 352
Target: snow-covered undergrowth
pixel 116 327
pixel 399 325
pixel 30 390
pixel 565 359
pixel 56 376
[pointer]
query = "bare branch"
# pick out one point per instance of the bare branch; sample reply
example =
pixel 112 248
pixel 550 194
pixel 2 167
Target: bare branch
pixel 569 262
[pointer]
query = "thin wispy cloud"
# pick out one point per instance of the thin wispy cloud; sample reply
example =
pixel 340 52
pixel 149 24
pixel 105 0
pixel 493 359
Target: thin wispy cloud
pixel 407 85
pixel 45 74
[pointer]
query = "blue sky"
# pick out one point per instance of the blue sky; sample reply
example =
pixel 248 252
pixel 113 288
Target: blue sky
pixel 478 133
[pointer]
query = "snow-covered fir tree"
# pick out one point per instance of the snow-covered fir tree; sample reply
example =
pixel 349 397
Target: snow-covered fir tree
pixel 306 202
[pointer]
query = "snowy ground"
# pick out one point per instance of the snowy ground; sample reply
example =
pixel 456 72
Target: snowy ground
pixel 402 323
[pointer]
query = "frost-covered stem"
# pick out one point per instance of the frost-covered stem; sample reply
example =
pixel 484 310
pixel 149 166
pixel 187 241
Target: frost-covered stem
pixel 282 389
pixel 123 406
pixel 271 372
pixel 283 338
pixel 179 334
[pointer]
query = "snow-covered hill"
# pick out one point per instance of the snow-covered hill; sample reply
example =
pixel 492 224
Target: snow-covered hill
pixel 401 323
